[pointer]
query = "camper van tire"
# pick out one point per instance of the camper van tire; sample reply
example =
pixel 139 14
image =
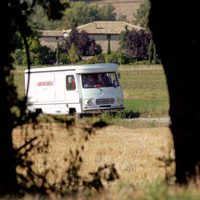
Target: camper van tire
pixel 72 111
pixel 38 111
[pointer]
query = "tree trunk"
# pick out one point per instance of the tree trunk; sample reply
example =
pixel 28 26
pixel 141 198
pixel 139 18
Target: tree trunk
pixel 7 156
pixel 178 47
pixel 8 181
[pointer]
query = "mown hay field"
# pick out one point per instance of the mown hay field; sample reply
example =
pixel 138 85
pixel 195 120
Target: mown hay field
pixel 138 154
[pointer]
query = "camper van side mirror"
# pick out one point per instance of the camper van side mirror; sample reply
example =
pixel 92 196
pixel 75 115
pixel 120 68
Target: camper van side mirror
pixel 118 75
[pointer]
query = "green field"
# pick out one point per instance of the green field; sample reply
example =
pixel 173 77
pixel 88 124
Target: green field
pixel 144 89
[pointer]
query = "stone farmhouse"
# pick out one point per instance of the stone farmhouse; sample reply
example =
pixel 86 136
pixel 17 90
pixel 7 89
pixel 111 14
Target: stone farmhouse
pixel 101 31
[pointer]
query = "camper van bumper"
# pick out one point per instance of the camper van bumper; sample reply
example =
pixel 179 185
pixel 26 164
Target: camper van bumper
pixel 103 110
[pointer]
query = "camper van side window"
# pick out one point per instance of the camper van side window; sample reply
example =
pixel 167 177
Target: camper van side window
pixel 70 82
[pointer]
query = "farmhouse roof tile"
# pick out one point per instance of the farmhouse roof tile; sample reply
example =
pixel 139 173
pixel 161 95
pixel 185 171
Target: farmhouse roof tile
pixel 51 33
pixel 96 27
pixel 106 27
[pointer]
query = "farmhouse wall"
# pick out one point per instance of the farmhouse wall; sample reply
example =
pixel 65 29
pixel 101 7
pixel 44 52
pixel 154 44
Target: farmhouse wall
pixel 103 41
pixel 99 30
pixel 51 41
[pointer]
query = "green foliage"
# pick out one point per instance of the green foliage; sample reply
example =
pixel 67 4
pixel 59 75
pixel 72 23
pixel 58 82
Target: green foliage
pixel 38 54
pixel 107 13
pixel 141 16
pixel 63 58
pixel 99 58
pixel 79 13
pixel 17 40
pixel 152 53
pixel 19 57
pixel 46 56
pixel 122 38
pixel 72 17
pixel 122 17
pixel 153 57
pixel 42 55
pixel 39 20
pixel 58 53
pixel 73 55
pixel 115 57
pixel 109 47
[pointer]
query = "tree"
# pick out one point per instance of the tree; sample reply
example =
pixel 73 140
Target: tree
pixel 72 54
pixel 79 13
pixel 38 54
pixel 152 53
pixel 109 47
pixel 39 20
pixel 122 38
pixel 46 56
pixel 141 16
pixel 107 13
pixel 57 52
pixel 13 18
pixel 178 48
pixel 122 17
pixel 85 45
pixel 137 43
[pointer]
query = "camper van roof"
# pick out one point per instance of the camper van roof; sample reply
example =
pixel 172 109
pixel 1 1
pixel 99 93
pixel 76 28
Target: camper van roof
pixel 86 68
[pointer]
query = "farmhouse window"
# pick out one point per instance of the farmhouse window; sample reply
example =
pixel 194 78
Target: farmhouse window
pixel 108 37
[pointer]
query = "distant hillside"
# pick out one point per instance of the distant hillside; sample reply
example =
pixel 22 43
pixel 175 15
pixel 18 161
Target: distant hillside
pixel 125 7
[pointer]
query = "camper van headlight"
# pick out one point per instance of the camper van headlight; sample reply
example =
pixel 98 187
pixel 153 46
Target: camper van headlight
pixel 119 100
pixel 88 102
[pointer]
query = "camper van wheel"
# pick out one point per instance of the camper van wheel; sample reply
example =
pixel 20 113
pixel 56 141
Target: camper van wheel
pixel 38 111
pixel 72 111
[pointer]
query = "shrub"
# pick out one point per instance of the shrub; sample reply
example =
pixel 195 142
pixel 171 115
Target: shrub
pixel 85 46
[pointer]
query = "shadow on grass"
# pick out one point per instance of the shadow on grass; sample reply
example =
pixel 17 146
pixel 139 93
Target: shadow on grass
pixel 37 140
pixel 124 115
pixel 130 114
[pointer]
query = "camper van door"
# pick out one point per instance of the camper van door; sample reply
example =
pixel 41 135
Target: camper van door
pixel 71 88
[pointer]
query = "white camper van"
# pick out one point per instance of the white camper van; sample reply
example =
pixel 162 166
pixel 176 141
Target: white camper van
pixel 80 89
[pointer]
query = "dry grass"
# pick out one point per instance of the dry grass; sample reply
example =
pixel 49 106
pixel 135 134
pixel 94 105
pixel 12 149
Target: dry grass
pixel 134 152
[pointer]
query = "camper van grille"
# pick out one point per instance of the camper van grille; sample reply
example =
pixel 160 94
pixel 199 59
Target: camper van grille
pixel 105 101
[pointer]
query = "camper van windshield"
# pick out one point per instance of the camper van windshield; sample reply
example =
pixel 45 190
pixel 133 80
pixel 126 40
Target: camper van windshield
pixel 99 80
